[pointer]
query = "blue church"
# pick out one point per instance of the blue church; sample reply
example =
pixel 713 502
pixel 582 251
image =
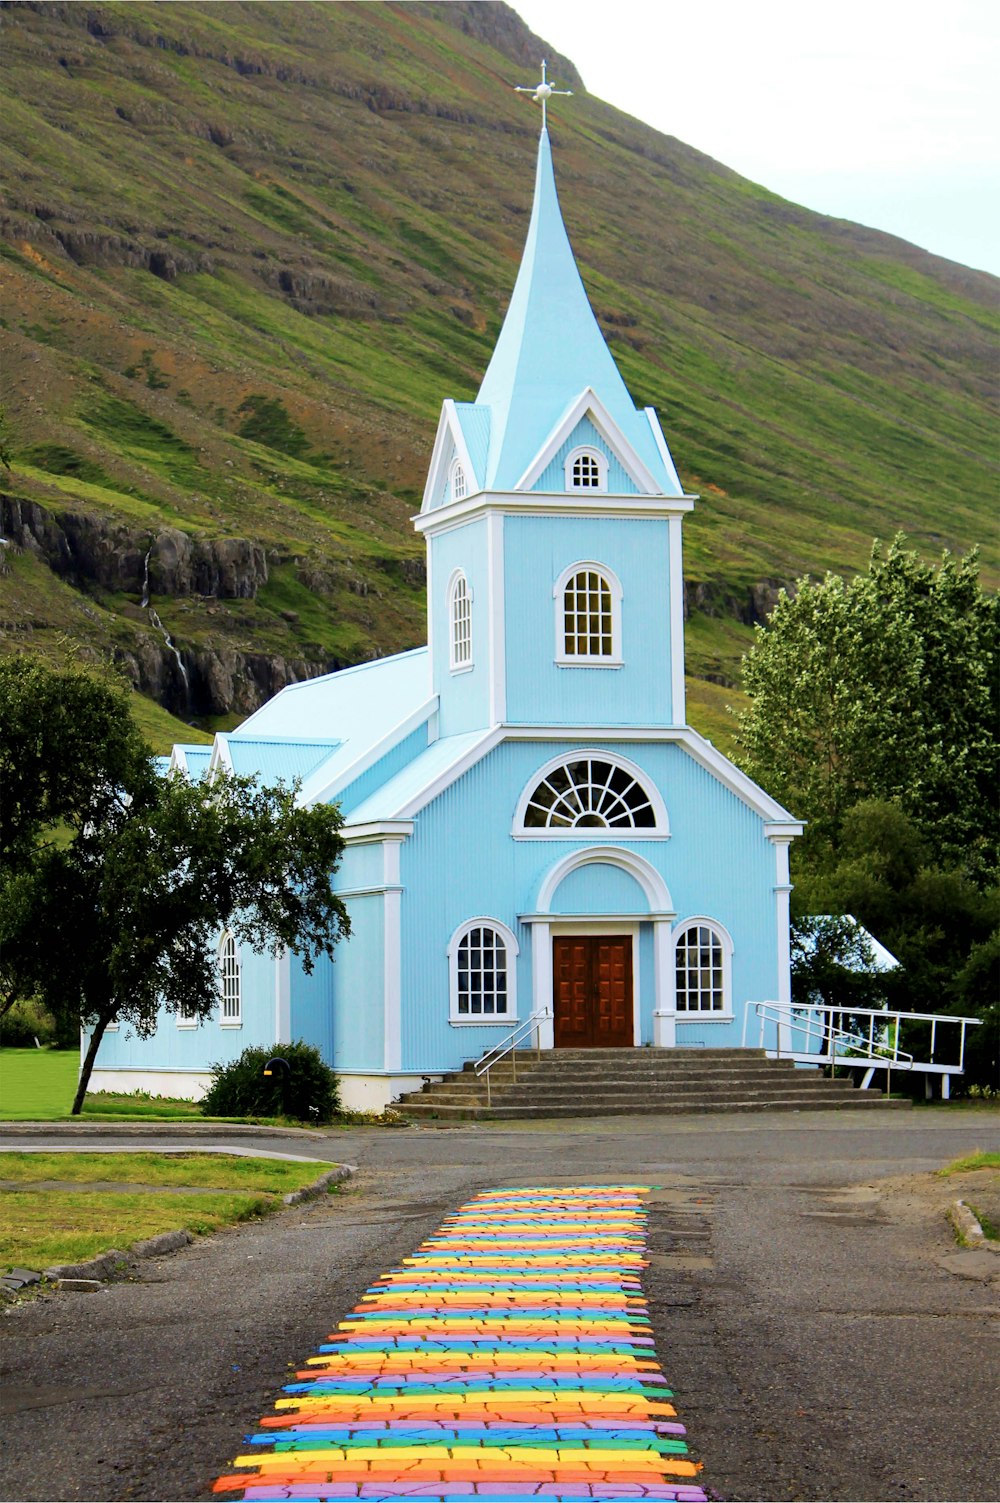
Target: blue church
pixel 532 829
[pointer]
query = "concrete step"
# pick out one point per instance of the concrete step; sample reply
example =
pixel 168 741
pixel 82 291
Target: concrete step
pixel 524 1096
pixel 611 1085
pixel 430 1111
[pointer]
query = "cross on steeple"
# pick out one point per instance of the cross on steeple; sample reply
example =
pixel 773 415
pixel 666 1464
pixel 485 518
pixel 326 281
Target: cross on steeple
pixel 541 92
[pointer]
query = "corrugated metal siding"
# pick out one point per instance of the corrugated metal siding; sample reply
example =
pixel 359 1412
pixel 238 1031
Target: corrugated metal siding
pixel 174 1048
pixel 276 759
pixel 536 551
pixel 599 889
pixel 465 697
pixel 385 768
pixel 553 477
pixel 358 998
pixel 312 1004
pixel 461 862
pixel 360 866
pixel 475 423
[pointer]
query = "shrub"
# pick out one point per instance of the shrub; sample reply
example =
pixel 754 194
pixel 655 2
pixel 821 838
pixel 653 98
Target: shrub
pixel 307 1090
pixel 24 1023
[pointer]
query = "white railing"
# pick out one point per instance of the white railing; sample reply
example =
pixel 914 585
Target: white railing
pixel 832 1036
pixel 508 1045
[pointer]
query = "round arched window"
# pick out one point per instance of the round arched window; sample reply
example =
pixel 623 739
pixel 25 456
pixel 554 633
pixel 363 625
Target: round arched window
pixel 589 793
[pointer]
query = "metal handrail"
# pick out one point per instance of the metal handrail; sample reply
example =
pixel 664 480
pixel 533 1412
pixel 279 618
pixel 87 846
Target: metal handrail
pixel 779 1013
pixel 872 1052
pixel 484 1064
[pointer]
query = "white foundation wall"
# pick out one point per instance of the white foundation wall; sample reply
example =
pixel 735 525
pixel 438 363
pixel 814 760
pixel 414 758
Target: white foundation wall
pixel 182 1085
pixel 373 1093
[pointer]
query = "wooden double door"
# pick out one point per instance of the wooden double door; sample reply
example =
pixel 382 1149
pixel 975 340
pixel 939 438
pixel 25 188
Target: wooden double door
pixel 592 991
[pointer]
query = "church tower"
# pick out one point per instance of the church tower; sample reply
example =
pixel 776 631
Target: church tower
pixel 552 514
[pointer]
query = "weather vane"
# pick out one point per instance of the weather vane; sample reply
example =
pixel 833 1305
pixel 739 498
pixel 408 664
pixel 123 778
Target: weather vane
pixel 541 93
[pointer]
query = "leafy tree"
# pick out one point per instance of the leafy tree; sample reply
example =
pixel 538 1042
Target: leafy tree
pixel 884 687
pixel 119 918
pixel 833 964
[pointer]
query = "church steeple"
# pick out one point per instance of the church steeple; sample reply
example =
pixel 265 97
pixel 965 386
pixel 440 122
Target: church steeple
pixel 550 350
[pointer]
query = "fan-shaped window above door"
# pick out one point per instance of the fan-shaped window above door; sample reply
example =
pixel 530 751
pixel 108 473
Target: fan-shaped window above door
pixel 587 793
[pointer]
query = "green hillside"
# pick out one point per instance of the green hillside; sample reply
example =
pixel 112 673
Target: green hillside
pixel 248 249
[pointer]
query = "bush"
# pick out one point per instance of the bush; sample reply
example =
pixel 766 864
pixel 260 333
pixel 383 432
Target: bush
pixel 307 1090
pixel 24 1023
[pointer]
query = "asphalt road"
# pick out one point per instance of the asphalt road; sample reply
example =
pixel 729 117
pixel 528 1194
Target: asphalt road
pixel 821 1339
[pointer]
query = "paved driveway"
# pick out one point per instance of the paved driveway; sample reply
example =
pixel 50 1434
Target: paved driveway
pixel 817 1343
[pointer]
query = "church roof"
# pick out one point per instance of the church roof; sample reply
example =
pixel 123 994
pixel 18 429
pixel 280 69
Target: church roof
pixel 549 351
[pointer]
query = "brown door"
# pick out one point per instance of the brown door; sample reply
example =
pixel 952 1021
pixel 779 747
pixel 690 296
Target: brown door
pixel 592 991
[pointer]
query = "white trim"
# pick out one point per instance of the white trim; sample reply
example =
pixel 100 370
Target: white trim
pixel 548 504
pixel 368 758
pixel 541 983
pixel 392 982
pixel 181 1083
pixel 588 404
pixel 283 997
pixel 183 1021
pixel 376 830
pixel 678 688
pixel 665 987
pixel 586 451
pixel 782 920
pixel 736 781
pixel 664 452
pixel 643 916
pixel 448 427
pixel 483 1020
pixel 647 876
pixel 496 612
pixel 726 1014
pixel 660 830
pixel 235 1021
pixel 455 470
pixel 221 758
pixel 565 659
pixel 455 664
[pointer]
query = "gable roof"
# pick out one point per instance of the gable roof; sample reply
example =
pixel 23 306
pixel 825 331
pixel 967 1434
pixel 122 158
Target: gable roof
pixel 326 731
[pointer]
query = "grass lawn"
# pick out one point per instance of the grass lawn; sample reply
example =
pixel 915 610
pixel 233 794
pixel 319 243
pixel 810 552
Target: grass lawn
pixel 195 1192
pixel 983 1159
pixel 38 1085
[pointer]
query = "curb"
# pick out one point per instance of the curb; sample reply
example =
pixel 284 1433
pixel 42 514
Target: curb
pixel 967 1225
pixel 130 1128
pixel 100 1269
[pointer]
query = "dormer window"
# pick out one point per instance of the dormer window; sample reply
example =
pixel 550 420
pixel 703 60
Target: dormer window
pixel 586 470
pixel 459 484
pixel 588 601
pixel 460 622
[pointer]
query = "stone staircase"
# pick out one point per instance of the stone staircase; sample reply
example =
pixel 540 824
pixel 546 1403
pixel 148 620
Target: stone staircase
pixel 566 1083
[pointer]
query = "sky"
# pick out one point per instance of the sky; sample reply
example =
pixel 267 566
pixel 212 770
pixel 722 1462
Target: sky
pixel 880 111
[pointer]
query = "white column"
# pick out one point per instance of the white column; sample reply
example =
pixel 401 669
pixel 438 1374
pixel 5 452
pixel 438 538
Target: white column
pixel 541 982
pixel 678 706
pixel 283 998
pixel 665 1005
pixel 392 957
pixel 496 626
pixel 782 896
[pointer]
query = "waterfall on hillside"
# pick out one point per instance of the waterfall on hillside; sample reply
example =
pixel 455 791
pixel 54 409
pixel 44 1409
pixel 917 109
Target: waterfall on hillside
pixel 155 621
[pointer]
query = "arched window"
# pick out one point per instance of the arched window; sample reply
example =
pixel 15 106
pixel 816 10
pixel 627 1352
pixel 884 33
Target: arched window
pixel 459 484
pixel 590 792
pixel 460 621
pixel 481 959
pixel 586 470
pixel 703 962
pixel 231 1013
pixel 588 617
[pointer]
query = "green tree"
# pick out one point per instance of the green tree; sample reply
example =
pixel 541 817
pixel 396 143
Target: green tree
pixel 884 687
pixel 117 919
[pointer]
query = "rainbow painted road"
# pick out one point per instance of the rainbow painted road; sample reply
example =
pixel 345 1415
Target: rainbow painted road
pixel 511 1357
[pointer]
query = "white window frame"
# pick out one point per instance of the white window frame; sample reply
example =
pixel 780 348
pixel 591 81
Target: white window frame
pixel 591 834
pixel 190 1020
pixel 456 663
pixel 719 931
pixel 566 659
pixel 586 451
pixel 507 1019
pixel 458 481
pixel 235 1020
